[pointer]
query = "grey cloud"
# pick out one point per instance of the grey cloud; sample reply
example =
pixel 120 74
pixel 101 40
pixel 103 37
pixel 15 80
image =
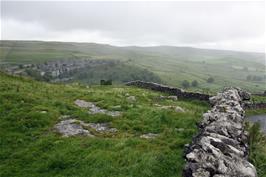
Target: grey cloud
pixel 142 23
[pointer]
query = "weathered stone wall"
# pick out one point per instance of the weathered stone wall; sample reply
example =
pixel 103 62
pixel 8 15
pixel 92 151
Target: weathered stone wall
pixel 255 106
pixel 170 90
pixel 220 149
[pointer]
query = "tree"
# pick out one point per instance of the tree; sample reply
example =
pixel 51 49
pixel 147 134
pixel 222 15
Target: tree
pixel 254 78
pixel 194 83
pixel 210 80
pixel 185 84
pixel 249 77
pixel 104 82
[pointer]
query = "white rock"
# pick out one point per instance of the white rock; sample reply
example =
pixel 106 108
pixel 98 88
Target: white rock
pixel 131 99
pixel 149 136
pixel 93 109
pixel 83 104
pixel 172 97
pixel 179 109
pixel 71 127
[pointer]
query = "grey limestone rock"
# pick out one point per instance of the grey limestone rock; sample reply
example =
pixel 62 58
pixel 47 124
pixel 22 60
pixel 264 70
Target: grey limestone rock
pixel 93 109
pixel 71 127
pixel 149 136
pixel 74 127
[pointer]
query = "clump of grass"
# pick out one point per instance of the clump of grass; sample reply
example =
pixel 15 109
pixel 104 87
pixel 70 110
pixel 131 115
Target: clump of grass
pixel 257 148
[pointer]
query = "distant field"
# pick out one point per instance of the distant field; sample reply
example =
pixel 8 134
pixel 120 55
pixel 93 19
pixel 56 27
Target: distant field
pixel 171 64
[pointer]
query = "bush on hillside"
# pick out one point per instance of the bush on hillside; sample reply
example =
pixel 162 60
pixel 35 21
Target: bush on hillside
pixel 194 83
pixel 104 82
pixel 210 80
pixel 185 84
pixel 254 78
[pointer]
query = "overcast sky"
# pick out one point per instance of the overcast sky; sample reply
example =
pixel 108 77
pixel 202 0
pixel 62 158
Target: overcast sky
pixel 218 25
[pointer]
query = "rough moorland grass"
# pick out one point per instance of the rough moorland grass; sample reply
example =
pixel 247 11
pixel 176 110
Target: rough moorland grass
pixel 257 140
pixel 257 148
pixel 30 147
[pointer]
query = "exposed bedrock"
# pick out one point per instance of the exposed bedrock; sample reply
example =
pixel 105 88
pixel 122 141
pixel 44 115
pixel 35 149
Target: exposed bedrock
pixel 220 149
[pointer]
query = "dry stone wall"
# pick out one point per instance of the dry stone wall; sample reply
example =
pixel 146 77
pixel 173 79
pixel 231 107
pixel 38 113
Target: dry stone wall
pixel 220 149
pixel 170 90
pixel 183 94
pixel 255 106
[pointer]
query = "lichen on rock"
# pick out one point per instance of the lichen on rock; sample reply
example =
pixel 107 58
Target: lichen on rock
pixel 72 127
pixel 75 127
pixel 93 109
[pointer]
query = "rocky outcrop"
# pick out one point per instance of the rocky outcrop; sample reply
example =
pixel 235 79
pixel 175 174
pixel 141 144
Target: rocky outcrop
pixel 72 127
pixel 220 149
pixel 56 70
pixel 75 127
pixel 169 90
pixel 93 109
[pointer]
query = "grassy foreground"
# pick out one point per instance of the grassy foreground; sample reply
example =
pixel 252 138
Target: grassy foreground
pixel 30 147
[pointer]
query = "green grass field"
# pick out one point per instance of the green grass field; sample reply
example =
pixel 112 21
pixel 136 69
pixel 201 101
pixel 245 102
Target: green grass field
pixel 171 64
pixel 30 146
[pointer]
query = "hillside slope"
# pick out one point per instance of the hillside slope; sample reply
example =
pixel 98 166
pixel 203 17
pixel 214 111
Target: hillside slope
pixel 171 64
pixel 30 146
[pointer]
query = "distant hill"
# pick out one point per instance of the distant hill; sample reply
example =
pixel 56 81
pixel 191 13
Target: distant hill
pixel 169 65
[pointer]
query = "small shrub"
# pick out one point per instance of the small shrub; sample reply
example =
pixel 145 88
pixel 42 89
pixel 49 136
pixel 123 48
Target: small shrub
pixel 185 84
pixel 104 82
pixel 210 80
pixel 194 83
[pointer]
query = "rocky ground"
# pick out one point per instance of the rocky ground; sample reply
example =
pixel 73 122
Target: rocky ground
pixel 73 127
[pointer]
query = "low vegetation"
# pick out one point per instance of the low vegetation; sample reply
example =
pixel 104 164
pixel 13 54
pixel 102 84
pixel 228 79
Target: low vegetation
pixel 30 146
pixel 257 148
pixel 257 139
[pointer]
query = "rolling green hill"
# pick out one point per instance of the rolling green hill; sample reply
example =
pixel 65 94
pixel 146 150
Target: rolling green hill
pixel 172 64
pixel 30 146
